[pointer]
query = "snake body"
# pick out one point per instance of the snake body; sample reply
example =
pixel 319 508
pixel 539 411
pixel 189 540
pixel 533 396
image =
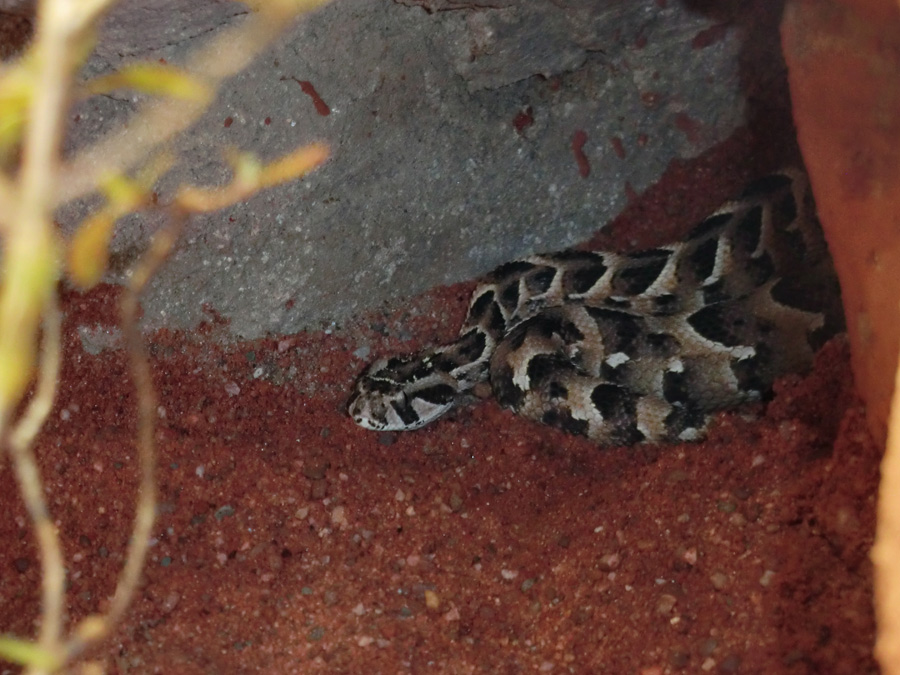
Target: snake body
pixel 637 347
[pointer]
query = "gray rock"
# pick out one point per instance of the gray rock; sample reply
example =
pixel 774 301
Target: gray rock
pixel 452 144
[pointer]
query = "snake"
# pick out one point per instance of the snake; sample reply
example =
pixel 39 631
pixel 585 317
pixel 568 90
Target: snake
pixel 633 347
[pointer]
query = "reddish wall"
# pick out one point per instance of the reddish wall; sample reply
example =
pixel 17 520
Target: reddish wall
pixel 844 72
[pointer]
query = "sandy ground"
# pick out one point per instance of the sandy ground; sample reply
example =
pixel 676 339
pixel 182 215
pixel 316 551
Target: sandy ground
pixel 289 540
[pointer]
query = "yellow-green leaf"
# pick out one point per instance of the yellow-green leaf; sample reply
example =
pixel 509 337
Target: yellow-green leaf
pixel 153 78
pixel 89 250
pixel 29 271
pixel 246 167
pixel 281 7
pixel 92 628
pixel 16 89
pixel 27 653
pixel 294 165
pixel 11 125
pixel 123 194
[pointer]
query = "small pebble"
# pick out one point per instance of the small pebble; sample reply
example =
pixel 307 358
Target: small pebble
pixel 610 561
pixel 679 658
pixel 708 646
pixel 170 602
pixel 339 516
pixel 690 556
pixel 742 493
pixel 737 519
pixel 224 512
pixel 315 471
pixel 666 603
pixel 719 580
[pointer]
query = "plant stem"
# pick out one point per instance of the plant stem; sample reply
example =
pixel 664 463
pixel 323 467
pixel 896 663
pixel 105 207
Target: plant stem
pixel 28 476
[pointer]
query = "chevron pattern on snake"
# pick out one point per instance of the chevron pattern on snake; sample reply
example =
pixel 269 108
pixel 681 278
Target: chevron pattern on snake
pixel 633 347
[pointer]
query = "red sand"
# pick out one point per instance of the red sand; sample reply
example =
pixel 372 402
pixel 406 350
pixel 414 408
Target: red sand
pixel 289 540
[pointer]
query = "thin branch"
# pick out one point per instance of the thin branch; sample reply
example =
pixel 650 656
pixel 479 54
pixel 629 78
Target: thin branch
pixel 160 249
pixel 159 121
pixel 28 476
pixel 30 244
pixel 95 628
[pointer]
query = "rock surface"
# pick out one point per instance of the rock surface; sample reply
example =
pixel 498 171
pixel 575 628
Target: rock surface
pixel 460 139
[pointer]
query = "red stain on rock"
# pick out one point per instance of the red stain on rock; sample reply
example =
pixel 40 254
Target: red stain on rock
pixel 523 120
pixel 618 147
pixel 228 122
pixel 709 36
pixel 640 40
pixel 308 89
pixel 651 99
pixel 630 193
pixel 689 126
pixel 578 141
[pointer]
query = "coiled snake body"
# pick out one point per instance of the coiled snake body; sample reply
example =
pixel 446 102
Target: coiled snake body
pixel 627 348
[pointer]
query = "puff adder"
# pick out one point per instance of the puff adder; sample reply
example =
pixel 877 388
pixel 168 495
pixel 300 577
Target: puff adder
pixel 636 347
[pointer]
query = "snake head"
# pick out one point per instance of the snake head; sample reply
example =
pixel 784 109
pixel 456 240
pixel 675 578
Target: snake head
pixel 402 393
